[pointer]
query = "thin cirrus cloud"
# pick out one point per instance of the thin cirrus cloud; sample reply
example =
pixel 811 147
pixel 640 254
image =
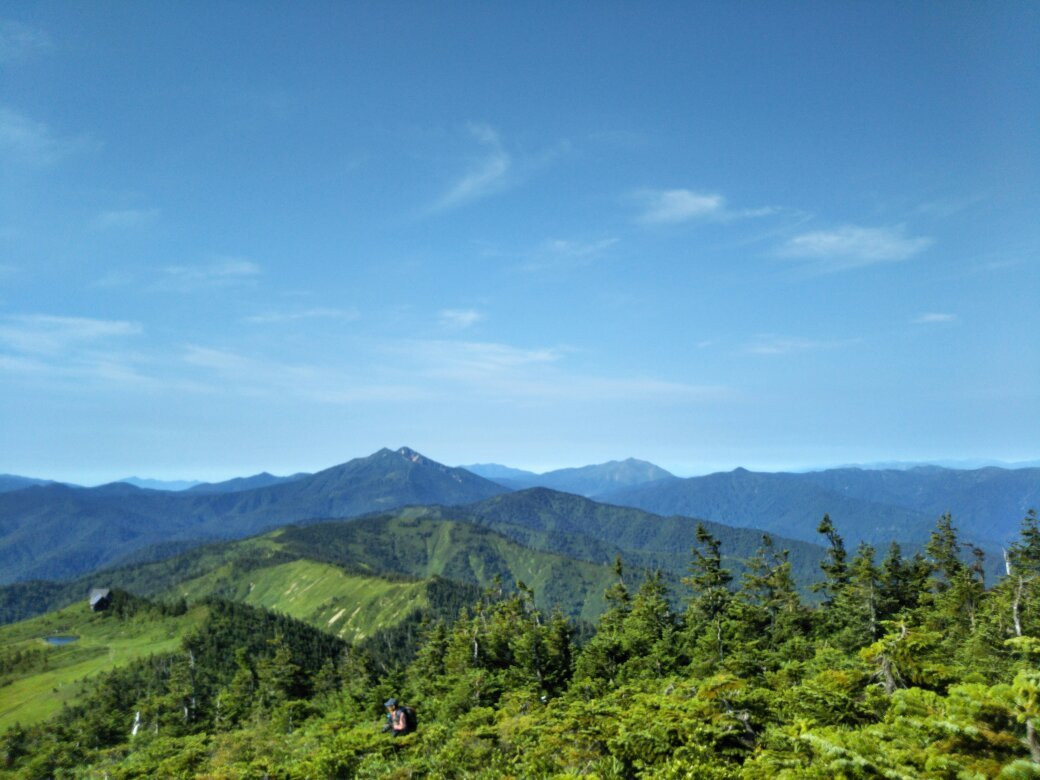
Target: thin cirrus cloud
pixel 670 207
pixel 125 219
pixel 508 373
pixel 770 344
pixel 487 175
pixel 319 313
pixel 852 246
pixel 470 359
pixel 226 372
pixel 678 206
pixel 459 319
pixel 221 273
pixel 566 253
pixel 426 369
pixel 934 318
pixel 43 334
pixel 30 142
pixel 61 348
pixel 19 42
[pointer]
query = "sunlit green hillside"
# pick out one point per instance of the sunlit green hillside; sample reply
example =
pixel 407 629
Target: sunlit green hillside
pixel 323 595
pixel 37 677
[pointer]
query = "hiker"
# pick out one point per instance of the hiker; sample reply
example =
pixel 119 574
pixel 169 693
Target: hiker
pixel 399 720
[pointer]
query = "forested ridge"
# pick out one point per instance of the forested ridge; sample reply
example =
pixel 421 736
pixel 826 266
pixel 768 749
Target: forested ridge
pixel 905 666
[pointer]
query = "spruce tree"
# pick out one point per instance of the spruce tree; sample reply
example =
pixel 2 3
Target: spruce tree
pixel 706 638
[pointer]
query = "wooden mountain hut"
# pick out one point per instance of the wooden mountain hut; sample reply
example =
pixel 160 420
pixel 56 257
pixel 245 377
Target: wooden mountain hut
pixel 100 598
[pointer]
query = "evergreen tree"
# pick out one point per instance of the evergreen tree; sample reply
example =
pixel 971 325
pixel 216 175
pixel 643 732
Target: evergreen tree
pixel 860 599
pixel 600 661
pixel 276 677
pixel 1022 585
pixel 769 614
pixel 709 603
pixel 901 582
pixel 834 565
pixel 236 700
pixel 943 552
pixel 648 635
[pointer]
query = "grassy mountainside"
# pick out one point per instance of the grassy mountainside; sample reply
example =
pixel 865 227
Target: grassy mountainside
pixel 415 544
pixel 57 532
pixel 322 595
pixel 589 530
pixel 38 678
pixel 382 563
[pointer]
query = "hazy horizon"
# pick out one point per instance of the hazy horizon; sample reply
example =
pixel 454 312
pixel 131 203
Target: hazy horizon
pixel 188 477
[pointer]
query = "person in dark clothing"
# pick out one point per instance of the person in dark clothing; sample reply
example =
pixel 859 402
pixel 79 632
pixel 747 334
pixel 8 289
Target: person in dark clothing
pixel 397 721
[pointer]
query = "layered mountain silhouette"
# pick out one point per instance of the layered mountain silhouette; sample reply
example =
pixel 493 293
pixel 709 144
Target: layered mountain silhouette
pixel 869 505
pixel 10 482
pixel 57 531
pixel 238 484
pixel 588 481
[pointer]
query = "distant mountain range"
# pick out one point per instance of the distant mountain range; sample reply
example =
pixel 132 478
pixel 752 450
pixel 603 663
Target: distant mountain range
pixel 239 484
pixel 586 481
pixel 876 506
pixel 160 484
pixel 9 482
pixel 57 531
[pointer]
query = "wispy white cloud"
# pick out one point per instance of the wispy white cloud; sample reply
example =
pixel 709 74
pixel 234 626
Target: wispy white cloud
pixel 557 253
pixel 222 272
pixel 69 348
pixel 224 371
pixel 505 372
pixel 20 41
pixel 114 279
pixel 948 207
pixel 120 219
pixel 30 142
pixel 462 359
pixel 318 313
pixel 662 207
pixel 677 206
pixel 569 248
pixel 487 174
pixel 934 318
pixel 459 319
pixel 770 344
pixel 41 334
pixel 852 246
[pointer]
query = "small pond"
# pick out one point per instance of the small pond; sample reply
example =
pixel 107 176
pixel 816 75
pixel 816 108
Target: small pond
pixel 60 640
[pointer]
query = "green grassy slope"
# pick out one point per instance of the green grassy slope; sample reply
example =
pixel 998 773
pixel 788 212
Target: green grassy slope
pixel 48 677
pixel 382 564
pixel 422 546
pixel 350 606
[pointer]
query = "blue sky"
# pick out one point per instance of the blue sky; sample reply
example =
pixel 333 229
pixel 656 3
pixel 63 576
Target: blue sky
pixel 247 236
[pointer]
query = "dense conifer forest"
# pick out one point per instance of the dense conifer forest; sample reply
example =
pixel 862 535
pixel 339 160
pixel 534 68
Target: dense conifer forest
pixel 903 666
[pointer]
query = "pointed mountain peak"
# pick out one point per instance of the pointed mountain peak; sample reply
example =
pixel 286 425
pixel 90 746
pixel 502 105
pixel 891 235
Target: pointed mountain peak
pixel 412 455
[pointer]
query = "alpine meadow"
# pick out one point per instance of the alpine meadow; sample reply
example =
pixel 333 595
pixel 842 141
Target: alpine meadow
pixel 534 390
